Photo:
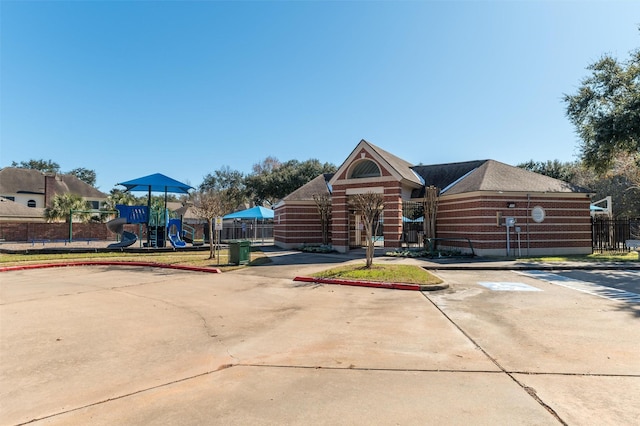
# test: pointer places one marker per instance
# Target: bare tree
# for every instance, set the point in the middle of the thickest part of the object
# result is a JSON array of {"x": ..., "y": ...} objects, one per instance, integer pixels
[
  {"x": 323, "y": 202},
  {"x": 209, "y": 204},
  {"x": 430, "y": 206},
  {"x": 370, "y": 206}
]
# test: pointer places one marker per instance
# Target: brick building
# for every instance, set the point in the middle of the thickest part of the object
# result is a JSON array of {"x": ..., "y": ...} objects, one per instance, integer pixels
[{"x": 485, "y": 206}]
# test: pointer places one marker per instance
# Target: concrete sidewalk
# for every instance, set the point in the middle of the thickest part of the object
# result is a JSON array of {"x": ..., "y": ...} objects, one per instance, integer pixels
[{"x": 460, "y": 263}]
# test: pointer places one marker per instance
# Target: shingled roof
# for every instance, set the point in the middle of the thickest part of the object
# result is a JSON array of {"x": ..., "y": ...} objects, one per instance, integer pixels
[
  {"x": 318, "y": 185},
  {"x": 450, "y": 178},
  {"x": 404, "y": 168},
  {"x": 443, "y": 175},
  {"x": 14, "y": 180},
  {"x": 488, "y": 175},
  {"x": 11, "y": 210}
]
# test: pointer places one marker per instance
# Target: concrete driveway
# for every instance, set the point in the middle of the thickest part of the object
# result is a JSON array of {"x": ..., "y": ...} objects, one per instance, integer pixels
[{"x": 117, "y": 345}]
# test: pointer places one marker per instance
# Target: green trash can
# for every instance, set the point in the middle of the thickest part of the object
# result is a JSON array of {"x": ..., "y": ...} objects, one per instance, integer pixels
[{"x": 239, "y": 251}]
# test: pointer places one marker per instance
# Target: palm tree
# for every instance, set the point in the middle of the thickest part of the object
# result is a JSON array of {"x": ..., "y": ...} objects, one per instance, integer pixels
[{"x": 63, "y": 204}]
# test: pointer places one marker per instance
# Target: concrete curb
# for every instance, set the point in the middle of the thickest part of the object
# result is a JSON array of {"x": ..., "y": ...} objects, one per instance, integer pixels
[
  {"x": 528, "y": 267},
  {"x": 373, "y": 284},
  {"x": 109, "y": 263}
]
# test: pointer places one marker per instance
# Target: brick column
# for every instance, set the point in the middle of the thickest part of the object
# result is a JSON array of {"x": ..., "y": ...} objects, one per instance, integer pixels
[
  {"x": 49, "y": 188},
  {"x": 393, "y": 217},
  {"x": 339, "y": 220}
]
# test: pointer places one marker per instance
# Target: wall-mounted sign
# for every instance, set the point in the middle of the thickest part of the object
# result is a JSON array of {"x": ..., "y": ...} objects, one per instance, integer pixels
[{"x": 537, "y": 214}]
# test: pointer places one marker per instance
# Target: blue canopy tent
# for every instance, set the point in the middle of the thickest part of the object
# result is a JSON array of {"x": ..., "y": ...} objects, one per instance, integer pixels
[
  {"x": 255, "y": 213},
  {"x": 156, "y": 183}
]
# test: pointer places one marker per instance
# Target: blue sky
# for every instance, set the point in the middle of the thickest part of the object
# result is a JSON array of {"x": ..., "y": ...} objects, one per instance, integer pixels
[{"x": 129, "y": 88}]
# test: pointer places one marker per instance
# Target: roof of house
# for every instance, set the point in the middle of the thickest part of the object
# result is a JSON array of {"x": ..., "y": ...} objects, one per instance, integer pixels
[
  {"x": 458, "y": 178},
  {"x": 488, "y": 175},
  {"x": 10, "y": 209},
  {"x": 318, "y": 185},
  {"x": 186, "y": 211},
  {"x": 443, "y": 175},
  {"x": 402, "y": 167},
  {"x": 14, "y": 180}
]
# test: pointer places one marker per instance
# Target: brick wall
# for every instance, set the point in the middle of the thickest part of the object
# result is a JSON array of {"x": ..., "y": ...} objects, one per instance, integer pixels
[
  {"x": 566, "y": 228},
  {"x": 297, "y": 224},
  {"x": 27, "y": 231}
]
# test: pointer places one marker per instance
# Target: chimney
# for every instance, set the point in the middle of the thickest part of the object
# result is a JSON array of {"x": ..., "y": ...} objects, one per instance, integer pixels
[{"x": 49, "y": 188}]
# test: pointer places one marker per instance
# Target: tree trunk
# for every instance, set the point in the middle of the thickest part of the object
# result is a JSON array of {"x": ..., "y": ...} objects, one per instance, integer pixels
[
  {"x": 370, "y": 245},
  {"x": 212, "y": 254}
]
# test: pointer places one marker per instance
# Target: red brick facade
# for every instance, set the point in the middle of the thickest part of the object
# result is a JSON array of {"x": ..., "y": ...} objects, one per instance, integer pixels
[
  {"x": 476, "y": 216},
  {"x": 481, "y": 218},
  {"x": 28, "y": 231},
  {"x": 297, "y": 225}
]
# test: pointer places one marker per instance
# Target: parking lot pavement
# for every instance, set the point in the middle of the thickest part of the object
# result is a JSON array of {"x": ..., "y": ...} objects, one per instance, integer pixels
[
  {"x": 576, "y": 351},
  {"x": 109, "y": 345}
]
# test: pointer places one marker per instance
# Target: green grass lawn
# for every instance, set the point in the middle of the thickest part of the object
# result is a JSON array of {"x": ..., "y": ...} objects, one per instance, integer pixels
[
  {"x": 197, "y": 258},
  {"x": 407, "y": 274},
  {"x": 595, "y": 257}
]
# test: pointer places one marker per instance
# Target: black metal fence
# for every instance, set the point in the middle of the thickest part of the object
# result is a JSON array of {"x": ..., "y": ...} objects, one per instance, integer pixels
[{"x": 609, "y": 235}]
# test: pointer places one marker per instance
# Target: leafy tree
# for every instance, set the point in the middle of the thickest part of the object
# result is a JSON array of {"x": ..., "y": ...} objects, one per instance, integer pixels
[
  {"x": 230, "y": 183},
  {"x": 606, "y": 110},
  {"x": 621, "y": 181},
  {"x": 85, "y": 175},
  {"x": 46, "y": 166},
  {"x": 274, "y": 183},
  {"x": 565, "y": 171},
  {"x": 209, "y": 204},
  {"x": 61, "y": 206},
  {"x": 370, "y": 205},
  {"x": 118, "y": 196}
]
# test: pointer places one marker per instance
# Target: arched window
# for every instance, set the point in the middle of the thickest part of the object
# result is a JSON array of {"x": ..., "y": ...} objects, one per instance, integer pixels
[
  {"x": 365, "y": 169},
  {"x": 31, "y": 203}
]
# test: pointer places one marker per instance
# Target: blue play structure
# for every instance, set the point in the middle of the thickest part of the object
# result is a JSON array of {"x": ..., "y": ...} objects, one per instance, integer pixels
[
  {"x": 174, "y": 230},
  {"x": 128, "y": 214},
  {"x": 159, "y": 227},
  {"x": 157, "y": 222}
]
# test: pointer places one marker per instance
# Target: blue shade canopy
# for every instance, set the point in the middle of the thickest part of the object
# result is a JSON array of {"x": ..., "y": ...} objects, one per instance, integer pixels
[
  {"x": 157, "y": 183},
  {"x": 257, "y": 212},
  {"x": 406, "y": 219}
]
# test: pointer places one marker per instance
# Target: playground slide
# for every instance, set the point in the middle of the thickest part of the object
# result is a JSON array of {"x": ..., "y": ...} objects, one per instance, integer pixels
[
  {"x": 126, "y": 238},
  {"x": 176, "y": 241}
]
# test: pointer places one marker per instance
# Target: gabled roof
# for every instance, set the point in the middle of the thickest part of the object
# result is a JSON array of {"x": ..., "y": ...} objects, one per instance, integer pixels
[
  {"x": 394, "y": 164},
  {"x": 443, "y": 175},
  {"x": 11, "y": 209},
  {"x": 404, "y": 168},
  {"x": 318, "y": 185},
  {"x": 490, "y": 175},
  {"x": 15, "y": 180}
]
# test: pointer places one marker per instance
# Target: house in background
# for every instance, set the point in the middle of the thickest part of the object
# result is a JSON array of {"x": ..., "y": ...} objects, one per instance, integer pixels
[
  {"x": 497, "y": 208},
  {"x": 10, "y": 211},
  {"x": 35, "y": 189}
]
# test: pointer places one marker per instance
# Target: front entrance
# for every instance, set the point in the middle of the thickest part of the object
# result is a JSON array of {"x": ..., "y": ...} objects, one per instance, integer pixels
[{"x": 358, "y": 233}]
